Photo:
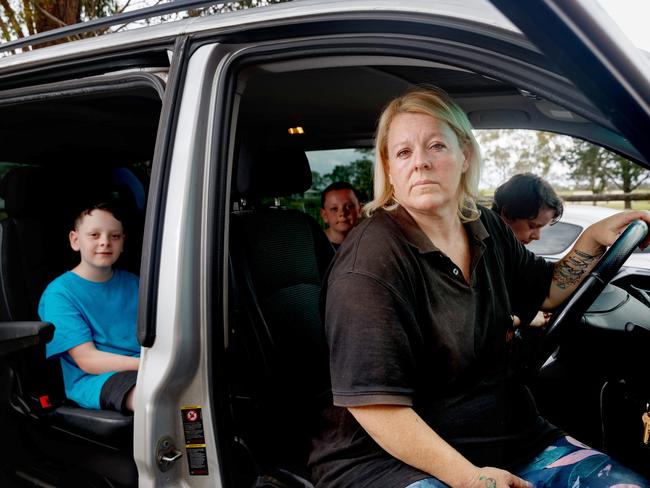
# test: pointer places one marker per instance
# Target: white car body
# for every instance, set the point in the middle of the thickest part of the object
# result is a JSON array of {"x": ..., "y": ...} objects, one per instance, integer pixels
[{"x": 556, "y": 240}]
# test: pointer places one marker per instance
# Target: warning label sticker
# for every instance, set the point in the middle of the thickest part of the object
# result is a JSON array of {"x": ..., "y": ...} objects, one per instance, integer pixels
[
  {"x": 193, "y": 425},
  {"x": 195, "y": 440},
  {"x": 197, "y": 460}
]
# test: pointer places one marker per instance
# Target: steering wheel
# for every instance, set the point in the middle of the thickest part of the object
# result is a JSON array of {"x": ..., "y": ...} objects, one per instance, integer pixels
[{"x": 589, "y": 289}]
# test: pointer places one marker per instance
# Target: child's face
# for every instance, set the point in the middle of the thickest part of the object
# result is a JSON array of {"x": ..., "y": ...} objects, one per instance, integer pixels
[
  {"x": 342, "y": 210},
  {"x": 99, "y": 238}
]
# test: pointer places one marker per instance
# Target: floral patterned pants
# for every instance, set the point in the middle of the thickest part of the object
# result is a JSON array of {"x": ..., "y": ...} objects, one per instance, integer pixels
[{"x": 568, "y": 463}]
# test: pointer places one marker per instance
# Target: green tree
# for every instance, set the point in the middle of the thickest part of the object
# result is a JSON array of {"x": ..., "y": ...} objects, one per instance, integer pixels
[
  {"x": 340, "y": 172},
  {"x": 362, "y": 178},
  {"x": 585, "y": 167},
  {"x": 496, "y": 155},
  {"x": 358, "y": 173},
  {"x": 538, "y": 155},
  {"x": 318, "y": 182},
  {"x": 19, "y": 18},
  {"x": 626, "y": 175},
  {"x": 597, "y": 168},
  {"x": 510, "y": 151},
  {"x": 26, "y": 17}
]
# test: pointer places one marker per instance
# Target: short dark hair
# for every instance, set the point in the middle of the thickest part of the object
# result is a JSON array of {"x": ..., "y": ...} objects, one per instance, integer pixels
[
  {"x": 524, "y": 195},
  {"x": 108, "y": 206},
  {"x": 337, "y": 185}
]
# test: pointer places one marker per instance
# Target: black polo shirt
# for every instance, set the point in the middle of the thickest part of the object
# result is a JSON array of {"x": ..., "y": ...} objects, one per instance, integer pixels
[{"x": 405, "y": 328}]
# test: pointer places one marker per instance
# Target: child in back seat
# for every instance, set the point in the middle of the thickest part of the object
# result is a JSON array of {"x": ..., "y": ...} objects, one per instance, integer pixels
[{"x": 94, "y": 310}]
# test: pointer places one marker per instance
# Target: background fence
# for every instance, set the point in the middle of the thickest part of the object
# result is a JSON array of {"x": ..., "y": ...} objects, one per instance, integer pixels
[{"x": 626, "y": 198}]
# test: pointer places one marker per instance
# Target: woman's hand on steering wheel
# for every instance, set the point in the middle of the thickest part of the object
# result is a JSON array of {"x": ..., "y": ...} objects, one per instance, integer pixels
[
  {"x": 622, "y": 238},
  {"x": 605, "y": 232}
]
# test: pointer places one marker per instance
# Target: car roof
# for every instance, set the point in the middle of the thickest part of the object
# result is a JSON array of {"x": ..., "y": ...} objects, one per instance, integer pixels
[
  {"x": 476, "y": 11},
  {"x": 344, "y": 112}
]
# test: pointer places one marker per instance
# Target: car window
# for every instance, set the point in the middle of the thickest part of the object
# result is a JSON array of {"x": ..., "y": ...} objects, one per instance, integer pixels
[
  {"x": 353, "y": 165},
  {"x": 556, "y": 238}
]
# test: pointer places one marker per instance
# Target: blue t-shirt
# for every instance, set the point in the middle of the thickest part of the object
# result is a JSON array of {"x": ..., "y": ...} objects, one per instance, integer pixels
[{"x": 82, "y": 311}]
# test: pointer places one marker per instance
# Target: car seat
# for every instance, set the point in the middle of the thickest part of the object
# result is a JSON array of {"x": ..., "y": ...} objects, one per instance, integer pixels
[
  {"x": 34, "y": 250},
  {"x": 278, "y": 258},
  {"x": 33, "y": 240}
]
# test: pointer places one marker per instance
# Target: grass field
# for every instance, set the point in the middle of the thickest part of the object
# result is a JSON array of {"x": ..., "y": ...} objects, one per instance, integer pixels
[{"x": 636, "y": 205}]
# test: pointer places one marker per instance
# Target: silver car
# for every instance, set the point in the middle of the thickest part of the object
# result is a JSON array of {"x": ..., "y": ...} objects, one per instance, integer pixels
[{"x": 200, "y": 127}]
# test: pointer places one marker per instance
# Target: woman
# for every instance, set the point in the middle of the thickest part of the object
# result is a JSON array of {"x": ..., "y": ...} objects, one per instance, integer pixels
[{"x": 418, "y": 322}]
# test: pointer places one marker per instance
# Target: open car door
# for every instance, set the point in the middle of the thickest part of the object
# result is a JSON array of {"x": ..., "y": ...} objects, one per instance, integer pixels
[{"x": 594, "y": 53}]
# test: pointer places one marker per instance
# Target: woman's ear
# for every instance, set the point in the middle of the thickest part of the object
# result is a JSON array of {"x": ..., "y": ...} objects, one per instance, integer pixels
[{"x": 467, "y": 154}]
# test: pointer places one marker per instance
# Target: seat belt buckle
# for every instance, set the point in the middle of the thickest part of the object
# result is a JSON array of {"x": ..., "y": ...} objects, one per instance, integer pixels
[{"x": 44, "y": 401}]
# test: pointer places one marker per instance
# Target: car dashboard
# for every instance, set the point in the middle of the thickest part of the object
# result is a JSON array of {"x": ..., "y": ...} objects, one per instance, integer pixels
[{"x": 596, "y": 386}]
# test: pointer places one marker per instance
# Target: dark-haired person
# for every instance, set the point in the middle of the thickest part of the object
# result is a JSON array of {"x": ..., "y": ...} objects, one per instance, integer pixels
[
  {"x": 340, "y": 210},
  {"x": 419, "y": 327},
  {"x": 94, "y": 309},
  {"x": 527, "y": 203}
]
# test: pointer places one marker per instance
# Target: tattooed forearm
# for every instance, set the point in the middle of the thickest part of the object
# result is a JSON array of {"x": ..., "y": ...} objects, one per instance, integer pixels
[{"x": 570, "y": 270}]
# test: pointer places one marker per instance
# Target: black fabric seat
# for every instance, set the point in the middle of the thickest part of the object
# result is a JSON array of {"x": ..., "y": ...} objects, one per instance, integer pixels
[
  {"x": 278, "y": 258},
  {"x": 34, "y": 240}
]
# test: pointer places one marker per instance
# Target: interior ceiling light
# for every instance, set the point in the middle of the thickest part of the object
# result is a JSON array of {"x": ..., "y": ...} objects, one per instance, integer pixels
[{"x": 296, "y": 130}]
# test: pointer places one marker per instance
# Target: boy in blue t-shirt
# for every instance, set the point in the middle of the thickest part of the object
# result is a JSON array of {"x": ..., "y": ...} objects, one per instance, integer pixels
[{"x": 94, "y": 311}]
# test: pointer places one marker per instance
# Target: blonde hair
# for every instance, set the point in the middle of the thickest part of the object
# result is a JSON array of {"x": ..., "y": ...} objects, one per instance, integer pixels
[{"x": 435, "y": 102}]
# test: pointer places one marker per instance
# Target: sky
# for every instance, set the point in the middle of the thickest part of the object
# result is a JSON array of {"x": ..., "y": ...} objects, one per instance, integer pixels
[{"x": 632, "y": 16}]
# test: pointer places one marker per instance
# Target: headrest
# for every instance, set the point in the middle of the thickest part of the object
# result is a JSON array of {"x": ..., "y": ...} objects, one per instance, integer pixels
[
  {"x": 26, "y": 191},
  {"x": 30, "y": 190},
  {"x": 129, "y": 188},
  {"x": 272, "y": 173}
]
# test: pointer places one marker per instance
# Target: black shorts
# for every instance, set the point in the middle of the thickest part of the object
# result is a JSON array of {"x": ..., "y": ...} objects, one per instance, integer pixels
[{"x": 116, "y": 389}]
